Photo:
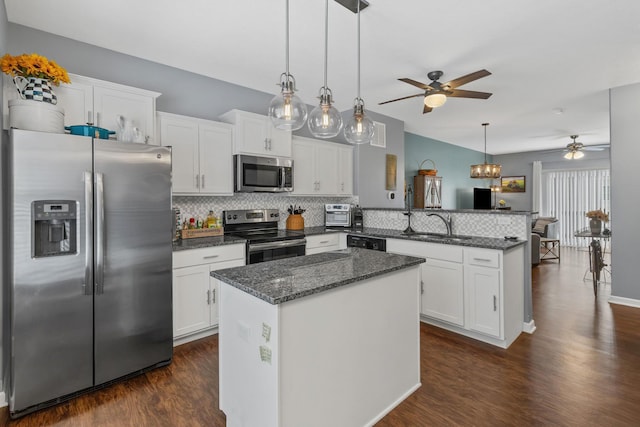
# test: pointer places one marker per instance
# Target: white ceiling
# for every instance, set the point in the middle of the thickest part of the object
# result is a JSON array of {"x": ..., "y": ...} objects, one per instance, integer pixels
[{"x": 545, "y": 55}]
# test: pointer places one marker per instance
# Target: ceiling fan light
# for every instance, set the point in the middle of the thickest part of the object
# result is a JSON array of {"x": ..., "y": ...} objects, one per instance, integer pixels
[
  {"x": 569, "y": 155},
  {"x": 435, "y": 100}
]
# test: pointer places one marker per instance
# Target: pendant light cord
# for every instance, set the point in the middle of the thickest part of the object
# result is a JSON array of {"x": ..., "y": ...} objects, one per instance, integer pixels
[
  {"x": 485, "y": 141},
  {"x": 358, "y": 62},
  {"x": 326, "y": 40},
  {"x": 287, "y": 42}
]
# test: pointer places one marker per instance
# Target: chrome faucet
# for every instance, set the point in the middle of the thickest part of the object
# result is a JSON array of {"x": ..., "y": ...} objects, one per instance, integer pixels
[{"x": 447, "y": 222}]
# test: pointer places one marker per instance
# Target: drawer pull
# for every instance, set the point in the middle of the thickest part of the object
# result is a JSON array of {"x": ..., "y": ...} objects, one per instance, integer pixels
[
  {"x": 324, "y": 241},
  {"x": 210, "y": 256},
  {"x": 482, "y": 259}
]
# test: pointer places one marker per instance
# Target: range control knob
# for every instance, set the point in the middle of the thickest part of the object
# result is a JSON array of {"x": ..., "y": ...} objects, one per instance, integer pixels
[
  {"x": 276, "y": 215},
  {"x": 228, "y": 216},
  {"x": 235, "y": 217}
]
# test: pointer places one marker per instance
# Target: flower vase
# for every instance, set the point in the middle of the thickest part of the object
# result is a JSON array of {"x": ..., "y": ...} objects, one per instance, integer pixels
[
  {"x": 595, "y": 225},
  {"x": 35, "y": 89}
]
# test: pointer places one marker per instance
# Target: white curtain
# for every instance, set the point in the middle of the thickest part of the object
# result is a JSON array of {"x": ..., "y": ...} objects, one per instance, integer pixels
[
  {"x": 569, "y": 194},
  {"x": 536, "y": 203}
]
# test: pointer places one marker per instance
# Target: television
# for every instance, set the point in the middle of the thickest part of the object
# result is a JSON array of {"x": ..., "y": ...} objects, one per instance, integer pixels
[{"x": 481, "y": 198}]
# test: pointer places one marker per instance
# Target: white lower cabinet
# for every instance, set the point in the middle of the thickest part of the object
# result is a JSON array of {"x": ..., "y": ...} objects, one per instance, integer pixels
[
  {"x": 443, "y": 291},
  {"x": 195, "y": 292},
  {"x": 476, "y": 292},
  {"x": 325, "y": 242}
]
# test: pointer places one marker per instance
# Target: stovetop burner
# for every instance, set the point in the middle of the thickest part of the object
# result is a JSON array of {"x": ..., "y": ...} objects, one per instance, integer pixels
[{"x": 257, "y": 225}]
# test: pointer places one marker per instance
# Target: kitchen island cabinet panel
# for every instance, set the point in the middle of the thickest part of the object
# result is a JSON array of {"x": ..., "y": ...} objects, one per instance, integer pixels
[{"x": 318, "y": 360}]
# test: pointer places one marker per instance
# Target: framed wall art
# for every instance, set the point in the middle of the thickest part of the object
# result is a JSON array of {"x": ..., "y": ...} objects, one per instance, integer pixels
[{"x": 512, "y": 184}]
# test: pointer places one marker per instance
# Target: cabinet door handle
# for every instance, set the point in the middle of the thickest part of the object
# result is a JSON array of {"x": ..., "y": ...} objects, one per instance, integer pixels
[
  {"x": 266, "y": 142},
  {"x": 495, "y": 303},
  {"x": 421, "y": 287},
  {"x": 208, "y": 297},
  {"x": 210, "y": 256},
  {"x": 342, "y": 186},
  {"x": 214, "y": 296},
  {"x": 197, "y": 181},
  {"x": 89, "y": 117},
  {"x": 97, "y": 119},
  {"x": 202, "y": 179},
  {"x": 482, "y": 259}
]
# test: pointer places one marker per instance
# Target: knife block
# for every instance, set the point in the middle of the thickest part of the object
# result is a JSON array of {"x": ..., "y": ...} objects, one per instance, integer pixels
[{"x": 295, "y": 222}]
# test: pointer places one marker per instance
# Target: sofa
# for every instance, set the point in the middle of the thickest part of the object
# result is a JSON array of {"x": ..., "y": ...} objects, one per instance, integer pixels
[{"x": 542, "y": 227}]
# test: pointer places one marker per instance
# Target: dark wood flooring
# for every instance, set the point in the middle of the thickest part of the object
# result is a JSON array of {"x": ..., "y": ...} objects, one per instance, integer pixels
[{"x": 580, "y": 368}]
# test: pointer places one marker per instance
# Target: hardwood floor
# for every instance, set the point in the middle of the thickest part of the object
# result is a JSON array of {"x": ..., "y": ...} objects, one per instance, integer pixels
[{"x": 580, "y": 368}]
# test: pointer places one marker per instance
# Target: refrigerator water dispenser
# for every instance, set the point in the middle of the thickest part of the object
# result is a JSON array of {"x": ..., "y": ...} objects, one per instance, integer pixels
[{"x": 54, "y": 226}]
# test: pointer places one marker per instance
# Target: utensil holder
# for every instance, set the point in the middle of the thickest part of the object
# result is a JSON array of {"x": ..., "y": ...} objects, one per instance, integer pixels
[{"x": 295, "y": 222}]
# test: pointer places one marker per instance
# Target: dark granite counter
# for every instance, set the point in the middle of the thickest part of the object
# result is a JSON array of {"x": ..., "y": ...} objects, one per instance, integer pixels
[
  {"x": 206, "y": 242},
  {"x": 464, "y": 211},
  {"x": 284, "y": 280},
  {"x": 471, "y": 241}
]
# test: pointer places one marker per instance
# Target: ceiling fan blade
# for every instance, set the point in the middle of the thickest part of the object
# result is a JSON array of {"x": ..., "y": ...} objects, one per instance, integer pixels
[
  {"x": 416, "y": 83},
  {"x": 400, "y": 99},
  {"x": 600, "y": 147},
  {"x": 426, "y": 109},
  {"x": 457, "y": 93},
  {"x": 467, "y": 79}
]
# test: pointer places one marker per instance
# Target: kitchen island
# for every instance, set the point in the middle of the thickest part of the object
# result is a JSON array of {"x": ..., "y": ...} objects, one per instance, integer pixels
[{"x": 326, "y": 339}]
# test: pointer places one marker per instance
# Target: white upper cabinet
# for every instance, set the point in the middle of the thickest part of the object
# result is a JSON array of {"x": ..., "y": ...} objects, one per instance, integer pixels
[
  {"x": 201, "y": 153},
  {"x": 255, "y": 134},
  {"x": 321, "y": 168},
  {"x": 88, "y": 100}
]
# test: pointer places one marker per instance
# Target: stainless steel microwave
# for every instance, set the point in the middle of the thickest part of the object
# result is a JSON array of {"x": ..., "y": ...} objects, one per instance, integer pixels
[{"x": 262, "y": 174}]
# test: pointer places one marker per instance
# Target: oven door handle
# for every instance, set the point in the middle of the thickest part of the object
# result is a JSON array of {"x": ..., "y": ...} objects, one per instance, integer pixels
[{"x": 256, "y": 247}]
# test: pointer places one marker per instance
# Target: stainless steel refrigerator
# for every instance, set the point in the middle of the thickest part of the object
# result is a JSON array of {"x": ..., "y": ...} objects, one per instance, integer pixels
[{"x": 88, "y": 250}]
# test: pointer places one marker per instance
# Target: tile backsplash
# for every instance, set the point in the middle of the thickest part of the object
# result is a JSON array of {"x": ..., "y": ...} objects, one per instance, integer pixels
[{"x": 199, "y": 206}]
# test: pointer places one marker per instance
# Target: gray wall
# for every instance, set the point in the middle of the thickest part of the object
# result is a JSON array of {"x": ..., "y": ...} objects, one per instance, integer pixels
[
  {"x": 518, "y": 164},
  {"x": 3, "y": 137},
  {"x": 194, "y": 95},
  {"x": 625, "y": 205}
]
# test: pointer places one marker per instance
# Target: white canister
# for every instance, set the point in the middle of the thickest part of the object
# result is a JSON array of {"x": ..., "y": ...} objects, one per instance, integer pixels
[{"x": 35, "y": 115}]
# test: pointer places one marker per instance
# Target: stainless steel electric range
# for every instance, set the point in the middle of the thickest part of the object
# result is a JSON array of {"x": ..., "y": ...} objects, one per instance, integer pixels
[{"x": 265, "y": 242}]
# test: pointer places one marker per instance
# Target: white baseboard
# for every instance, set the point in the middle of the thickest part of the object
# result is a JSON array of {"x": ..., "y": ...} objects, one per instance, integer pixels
[
  {"x": 389, "y": 408},
  {"x": 196, "y": 336},
  {"x": 3, "y": 399},
  {"x": 529, "y": 327},
  {"x": 624, "y": 301}
]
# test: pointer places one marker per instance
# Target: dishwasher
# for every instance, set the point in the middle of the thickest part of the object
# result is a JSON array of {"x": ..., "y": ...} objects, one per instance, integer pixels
[{"x": 367, "y": 242}]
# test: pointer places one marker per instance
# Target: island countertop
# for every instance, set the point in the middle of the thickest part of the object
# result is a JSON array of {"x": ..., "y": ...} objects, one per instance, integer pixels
[{"x": 284, "y": 280}]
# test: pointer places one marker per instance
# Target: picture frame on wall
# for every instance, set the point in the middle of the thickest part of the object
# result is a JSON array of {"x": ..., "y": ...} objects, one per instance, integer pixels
[{"x": 513, "y": 184}]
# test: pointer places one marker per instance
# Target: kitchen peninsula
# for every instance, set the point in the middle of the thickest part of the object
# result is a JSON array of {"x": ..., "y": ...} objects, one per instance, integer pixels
[{"x": 314, "y": 340}]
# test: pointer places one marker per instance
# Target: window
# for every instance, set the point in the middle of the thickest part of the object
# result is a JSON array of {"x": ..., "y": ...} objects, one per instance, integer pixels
[{"x": 569, "y": 194}]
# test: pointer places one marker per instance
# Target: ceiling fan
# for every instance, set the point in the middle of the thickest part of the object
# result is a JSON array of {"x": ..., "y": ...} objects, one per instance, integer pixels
[
  {"x": 575, "y": 150},
  {"x": 436, "y": 93}
]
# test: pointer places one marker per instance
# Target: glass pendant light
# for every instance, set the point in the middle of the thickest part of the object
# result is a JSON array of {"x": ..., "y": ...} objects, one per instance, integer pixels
[
  {"x": 485, "y": 170},
  {"x": 286, "y": 110},
  {"x": 359, "y": 128},
  {"x": 325, "y": 120}
]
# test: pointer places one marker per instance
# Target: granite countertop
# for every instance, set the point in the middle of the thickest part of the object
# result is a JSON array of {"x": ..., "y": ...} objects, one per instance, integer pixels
[
  {"x": 472, "y": 241},
  {"x": 287, "y": 279},
  {"x": 469, "y": 211},
  {"x": 206, "y": 242}
]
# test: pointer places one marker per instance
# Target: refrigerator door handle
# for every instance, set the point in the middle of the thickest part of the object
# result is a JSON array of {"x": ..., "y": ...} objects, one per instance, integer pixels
[
  {"x": 87, "y": 286},
  {"x": 99, "y": 275}
]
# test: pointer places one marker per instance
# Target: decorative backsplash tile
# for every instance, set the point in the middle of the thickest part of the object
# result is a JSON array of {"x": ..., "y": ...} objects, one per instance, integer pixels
[
  {"x": 484, "y": 224},
  {"x": 199, "y": 206}
]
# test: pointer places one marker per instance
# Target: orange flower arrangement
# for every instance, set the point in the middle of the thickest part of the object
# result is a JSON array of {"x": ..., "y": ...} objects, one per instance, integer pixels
[
  {"x": 34, "y": 65},
  {"x": 598, "y": 214}
]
